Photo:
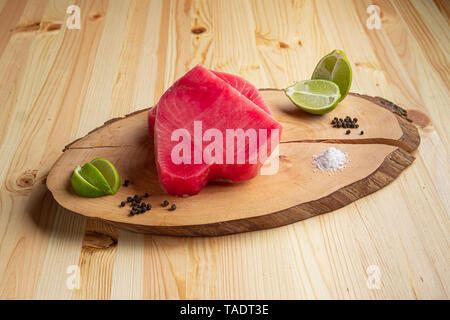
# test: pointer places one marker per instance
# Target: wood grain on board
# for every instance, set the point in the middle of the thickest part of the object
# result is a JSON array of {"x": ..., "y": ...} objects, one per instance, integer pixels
[
  {"x": 56, "y": 85},
  {"x": 297, "y": 190}
]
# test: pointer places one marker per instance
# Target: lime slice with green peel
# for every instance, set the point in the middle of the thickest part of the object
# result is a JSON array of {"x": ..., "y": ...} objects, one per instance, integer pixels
[
  {"x": 335, "y": 67},
  {"x": 92, "y": 175},
  {"x": 83, "y": 187},
  {"x": 314, "y": 96},
  {"x": 108, "y": 171}
]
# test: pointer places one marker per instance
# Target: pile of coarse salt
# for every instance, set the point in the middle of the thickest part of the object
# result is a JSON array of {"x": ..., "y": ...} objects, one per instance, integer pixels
[{"x": 332, "y": 159}]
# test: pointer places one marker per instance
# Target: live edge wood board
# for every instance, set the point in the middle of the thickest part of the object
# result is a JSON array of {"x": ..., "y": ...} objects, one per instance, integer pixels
[{"x": 295, "y": 193}]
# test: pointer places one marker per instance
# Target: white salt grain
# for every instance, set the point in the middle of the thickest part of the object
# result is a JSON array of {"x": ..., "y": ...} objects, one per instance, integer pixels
[{"x": 332, "y": 159}]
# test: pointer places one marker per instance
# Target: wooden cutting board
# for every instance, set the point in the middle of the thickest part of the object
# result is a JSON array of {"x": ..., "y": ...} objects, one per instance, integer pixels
[{"x": 296, "y": 192}]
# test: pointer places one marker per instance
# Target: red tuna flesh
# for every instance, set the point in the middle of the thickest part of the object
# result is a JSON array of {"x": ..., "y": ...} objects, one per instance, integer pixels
[
  {"x": 240, "y": 84},
  {"x": 202, "y": 96}
]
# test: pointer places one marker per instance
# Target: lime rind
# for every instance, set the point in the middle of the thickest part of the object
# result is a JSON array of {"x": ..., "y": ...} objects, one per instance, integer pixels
[
  {"x": 335, "y": 67},
  {"x": 83, "y": 187},
  {"x": 314, "y": 96},
  {"x": 90, "y": 173},
  {"x": 110, "y": 173}
]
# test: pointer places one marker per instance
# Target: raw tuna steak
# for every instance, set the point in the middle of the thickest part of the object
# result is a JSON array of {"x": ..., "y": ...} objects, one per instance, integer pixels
[
  {"x": 245, "y": 88},
  {"x": 240, "y": 84},
  {"x": 198, "y": 112}
]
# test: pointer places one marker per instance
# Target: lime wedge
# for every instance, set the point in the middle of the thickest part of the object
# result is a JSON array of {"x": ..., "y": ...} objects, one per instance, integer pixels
[
  {"x": 335, "y": 67},
  {"x": 108, "y": 171},
  {"x": 314, "y": 96},
  {"x": 83, "y": 187},
  {"x": 92, "y": 175}
]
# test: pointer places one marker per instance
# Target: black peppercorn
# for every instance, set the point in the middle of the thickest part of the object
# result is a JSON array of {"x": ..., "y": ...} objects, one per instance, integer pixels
[
  {"x": 346, "y": 123},
  {"x": 361, "y": 133},
  {"x": 122, "y": 204},
  {"x": 347, "y": 132},
  {"x": 129, "y": 199},
  {"x": 165, "y": 203},
  {"x": 173, "y": 207}
]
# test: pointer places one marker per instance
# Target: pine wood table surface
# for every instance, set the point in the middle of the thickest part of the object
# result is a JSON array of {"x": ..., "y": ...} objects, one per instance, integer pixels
[{"x": 57, "y": 84}]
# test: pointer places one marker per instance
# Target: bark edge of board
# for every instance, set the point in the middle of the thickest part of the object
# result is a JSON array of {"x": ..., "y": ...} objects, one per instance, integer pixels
[
  {"x": 392, "y": 165},
  {"x": 410, "y": 140}
]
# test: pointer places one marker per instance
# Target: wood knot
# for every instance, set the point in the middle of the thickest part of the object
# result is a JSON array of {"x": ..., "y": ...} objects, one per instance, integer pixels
[
  {"x": 198, "y": 30},
  {"x": 95, "y": 16},
  {"x": 98, "y": 241},
  {"x": 27, "y": 179},
  {"x": 283, "y": 158},
  {"x": 283, "y": 45},
  {"x": 35, "y": 26},
  {"x": 54, "y": 26},
  {"x": 419, "y": 118},
  {"x": 366, "y": 66},
  {"x": 48, "y": 26}
]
